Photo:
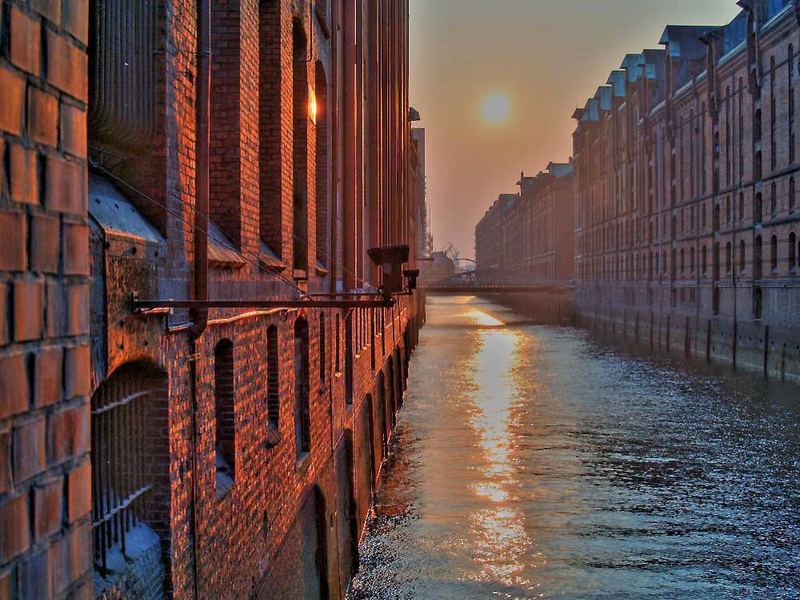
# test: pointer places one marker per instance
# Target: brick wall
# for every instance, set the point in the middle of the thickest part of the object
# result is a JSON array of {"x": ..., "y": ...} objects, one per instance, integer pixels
[{"x": 45, "y": 482}]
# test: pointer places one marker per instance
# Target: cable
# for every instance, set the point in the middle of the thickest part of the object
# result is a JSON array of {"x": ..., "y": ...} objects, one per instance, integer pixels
[{"x": 230, "y": 242}]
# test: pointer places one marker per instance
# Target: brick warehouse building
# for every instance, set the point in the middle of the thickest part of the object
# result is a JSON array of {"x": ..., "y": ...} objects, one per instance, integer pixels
[
  {"x": 687, "y": 217},
  {"x": 207, "y": 453},
  {"x": 531, "y": 236},
  {"x": 531, "y": 232}
]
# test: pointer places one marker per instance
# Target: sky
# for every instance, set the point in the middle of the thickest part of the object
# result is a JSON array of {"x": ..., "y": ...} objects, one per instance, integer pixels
[{"x": 496, "y": 83}]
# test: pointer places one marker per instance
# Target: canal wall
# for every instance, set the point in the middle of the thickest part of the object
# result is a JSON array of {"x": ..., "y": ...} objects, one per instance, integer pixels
[
  {"x": 773, "y": 350},
  {"x": 545, "y": 308},
  {"x": 757, "y": 347}
]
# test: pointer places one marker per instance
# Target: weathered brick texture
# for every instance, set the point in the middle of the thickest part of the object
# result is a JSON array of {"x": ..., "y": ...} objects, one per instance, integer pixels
[{"x": 42, "y": 69}]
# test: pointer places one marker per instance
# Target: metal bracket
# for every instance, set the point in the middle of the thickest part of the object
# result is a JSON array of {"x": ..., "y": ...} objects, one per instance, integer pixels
[{"x": 144, "y": 307}]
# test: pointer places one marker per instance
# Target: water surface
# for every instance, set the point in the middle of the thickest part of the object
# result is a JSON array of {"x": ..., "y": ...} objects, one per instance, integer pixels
[{"x": 534, "y": 462}]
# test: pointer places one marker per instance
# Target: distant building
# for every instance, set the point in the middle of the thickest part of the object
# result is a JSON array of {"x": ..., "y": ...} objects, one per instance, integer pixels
[
  {"x": 531, "y": 232},
  {"x": 439, "y": 268}
]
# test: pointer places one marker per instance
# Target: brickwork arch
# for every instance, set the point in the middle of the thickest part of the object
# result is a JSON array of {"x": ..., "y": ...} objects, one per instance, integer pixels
[{"x": 130, "y": 478}]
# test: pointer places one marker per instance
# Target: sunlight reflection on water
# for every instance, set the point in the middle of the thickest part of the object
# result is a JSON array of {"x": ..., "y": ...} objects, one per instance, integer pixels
[{"x": 532, "y": 462}]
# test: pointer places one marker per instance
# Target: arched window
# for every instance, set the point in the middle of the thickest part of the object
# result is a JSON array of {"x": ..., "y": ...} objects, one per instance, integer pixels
[
  {"x": 716, "y": 261},
  {"x": 224, "y": 416},
  {"x": 773, "y": 201},
  {"x": 758, "y": 209},
  {"x": 792, "y": 251},
  {"x": 130, "y": 475},
  {"x": 773, "y": 253},
  {"x": 302, "y": 399},
  {"x": 273, "y": 387},
  {"x": 691, "y": 260},
  {"x": 757, "y": 257},
  {"x": 742, "y": 256},
  {"x": 729, "y": 258},
  {"x": 704, "y": 260}
]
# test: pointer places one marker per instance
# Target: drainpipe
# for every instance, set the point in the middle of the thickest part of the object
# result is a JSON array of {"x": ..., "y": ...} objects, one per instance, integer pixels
[{"x": 200, "y": 315}]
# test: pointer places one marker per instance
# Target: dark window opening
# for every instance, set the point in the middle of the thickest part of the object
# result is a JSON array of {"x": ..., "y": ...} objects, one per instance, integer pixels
[
  {"x": 757, "y": 260},
  {"x": 302, "y": 395},
  {"x": 273, "y": 387},
  {"x": 773, "y": 254},
  {"x": 224, "y": 417}
]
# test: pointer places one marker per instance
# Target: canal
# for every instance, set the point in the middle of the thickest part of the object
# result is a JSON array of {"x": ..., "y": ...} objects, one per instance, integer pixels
[{"x": 536, "y": 462}]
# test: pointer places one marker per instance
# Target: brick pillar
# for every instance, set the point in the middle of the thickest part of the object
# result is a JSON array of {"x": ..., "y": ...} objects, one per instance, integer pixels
[{"x": 45, "y": 494}]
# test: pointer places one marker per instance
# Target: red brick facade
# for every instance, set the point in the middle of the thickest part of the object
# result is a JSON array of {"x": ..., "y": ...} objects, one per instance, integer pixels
[
  {"x": 215, "y": 468},
  {"x": 687, "y": 216},
  {"x": 45, "y": 500},
  {"x": 531, "y": 232}
]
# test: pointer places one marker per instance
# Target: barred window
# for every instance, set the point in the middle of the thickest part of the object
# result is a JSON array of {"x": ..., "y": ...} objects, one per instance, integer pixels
[
  {"x": 302, "y": 414},
  {"x": 224, "y": 417},
  {"x": 273, "y": 387},
  {"x": 130, "y": 458}
]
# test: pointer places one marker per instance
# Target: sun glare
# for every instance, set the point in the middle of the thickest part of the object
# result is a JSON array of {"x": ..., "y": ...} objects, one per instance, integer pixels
[{"x": 496, "y": 109}]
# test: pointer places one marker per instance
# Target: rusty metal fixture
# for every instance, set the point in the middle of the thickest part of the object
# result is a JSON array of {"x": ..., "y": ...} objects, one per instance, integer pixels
[{"x": 157, "y": 306}]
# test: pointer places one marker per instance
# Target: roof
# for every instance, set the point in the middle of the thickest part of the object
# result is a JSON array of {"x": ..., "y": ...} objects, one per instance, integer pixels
[{"x": 114, "y": 214}]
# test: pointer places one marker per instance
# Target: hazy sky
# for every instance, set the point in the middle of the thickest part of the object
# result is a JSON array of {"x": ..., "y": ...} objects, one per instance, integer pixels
[{"x": 546, "y": 57}]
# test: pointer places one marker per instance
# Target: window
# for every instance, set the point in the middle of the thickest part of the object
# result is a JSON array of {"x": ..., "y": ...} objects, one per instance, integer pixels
[
  {"x": 302, "y": 399},
  {"x": 348, "y": 358},
  {"x": 758, "y": 209},
  {"x": 130, "y": 466},
  {"x": 742, "y": 256},
  {"x": 691, "y": 259},
  {"x": 729, "y": 258},
  {"x": 757, "y": 126},
  {"x": 773, "y": 254},
  {"x": 757, "y": 260},
  {"x": 338, "y": 363},
  {"x": 758, "y": 169},
  {"x": 793, "y": 251},
  {"x": 273, "y": 387},
  {"x": 322, "y": 347},
  {"x": 224, "y": 417},
  {"x": 704, "y": 260},
  {"x": 773, "y": 202}
]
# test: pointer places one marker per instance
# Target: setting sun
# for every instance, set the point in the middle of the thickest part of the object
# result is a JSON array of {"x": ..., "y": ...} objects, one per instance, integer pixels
[{"x": 496, "y": 109}]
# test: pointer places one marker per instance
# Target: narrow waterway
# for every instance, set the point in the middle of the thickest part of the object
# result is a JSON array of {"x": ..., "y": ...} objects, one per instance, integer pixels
[{"x": 534, "y": 462}]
